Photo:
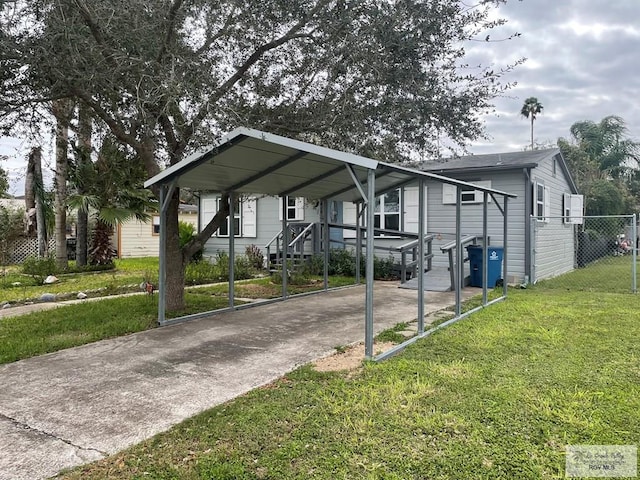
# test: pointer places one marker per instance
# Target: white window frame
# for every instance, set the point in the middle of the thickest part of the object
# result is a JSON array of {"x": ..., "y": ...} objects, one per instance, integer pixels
[
  {"x": 295, "y": 211},
  {"x": 573, "y": 209},
  {"x": 469, "y": 196},
  {"x": 381, "y": 215},
  {"x": 541, "y": 202},
  {"x": 246, "y": 211},
  {"x": 237, "y": 215},
  {"x": 155, "y": 222}
]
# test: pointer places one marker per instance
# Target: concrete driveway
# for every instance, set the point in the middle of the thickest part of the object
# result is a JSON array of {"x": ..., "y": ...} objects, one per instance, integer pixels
[{"x": 78, "y": 405}]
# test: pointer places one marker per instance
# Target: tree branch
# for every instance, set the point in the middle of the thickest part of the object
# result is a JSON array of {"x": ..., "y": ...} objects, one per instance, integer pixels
[
  {"x": 199, "y": 240},
  {"x": 173, "y": 14},
  {"x": 248, "y": 63},
  {"x": 96, "y": 31}
]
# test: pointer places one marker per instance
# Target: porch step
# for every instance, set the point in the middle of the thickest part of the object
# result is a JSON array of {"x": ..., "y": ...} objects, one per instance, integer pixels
[{"x": 436, "y": 280}]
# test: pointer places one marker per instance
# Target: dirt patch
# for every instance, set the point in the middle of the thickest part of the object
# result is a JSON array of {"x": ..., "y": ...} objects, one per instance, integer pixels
[{"x": 350, "y": 359}]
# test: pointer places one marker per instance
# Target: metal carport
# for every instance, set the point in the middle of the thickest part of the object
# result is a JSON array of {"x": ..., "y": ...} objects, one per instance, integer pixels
[{"x": 248, "y": 161}]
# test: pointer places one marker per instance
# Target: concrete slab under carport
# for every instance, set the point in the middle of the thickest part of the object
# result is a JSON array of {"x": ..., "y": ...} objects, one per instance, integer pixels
[{"x": 70, "y": 407}]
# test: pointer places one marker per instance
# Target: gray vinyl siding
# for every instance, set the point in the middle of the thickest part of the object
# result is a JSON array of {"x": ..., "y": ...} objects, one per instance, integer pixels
[
  {"x": 268, "y": 225},
  {"x": 441, "y": 222},
  {"x": 553, "y": 241}
]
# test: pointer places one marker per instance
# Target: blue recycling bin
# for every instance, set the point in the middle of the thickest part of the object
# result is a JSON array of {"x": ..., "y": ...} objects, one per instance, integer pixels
[{"x": 494, "y": 271}]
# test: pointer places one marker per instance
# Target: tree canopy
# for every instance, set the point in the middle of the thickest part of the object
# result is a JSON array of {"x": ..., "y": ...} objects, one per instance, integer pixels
[
  {"x": 375, "y": 77},
  {"x": 604, "y": 163},
  {"x": 4, "y": 183}
]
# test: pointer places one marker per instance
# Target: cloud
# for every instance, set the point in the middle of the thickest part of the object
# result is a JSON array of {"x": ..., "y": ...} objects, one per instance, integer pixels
[{"x": 582, "y": 65}]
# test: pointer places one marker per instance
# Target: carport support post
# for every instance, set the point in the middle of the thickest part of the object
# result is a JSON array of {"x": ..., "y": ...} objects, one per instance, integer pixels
[
  {"x": 485, "y": 248},
  {"x": 368, "y": 327},
  {"x": 327, "y": 242},
  {"x": 285, "y": 246},
  {"x": 634, "y": 257},
  {"x": 420, "y": 257},
  {"x": 459, "y": 256},
  {"x": 504, "y": 247},
  {"x": 358, "y": 251},
  {"x": 232, "y": 248}
]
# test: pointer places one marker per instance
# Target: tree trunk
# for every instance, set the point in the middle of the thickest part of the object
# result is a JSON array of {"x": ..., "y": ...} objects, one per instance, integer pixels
[
  {"x": 29, "y": 194},
  {"x": 62, "y": 110},
  {"x": 84, "y": 144},
  {"x": 174, "y": 259},
  {"x": 531, "y": 131},
  {"x": 102, "y": 252},
  {"x": 38, "y": 192}
]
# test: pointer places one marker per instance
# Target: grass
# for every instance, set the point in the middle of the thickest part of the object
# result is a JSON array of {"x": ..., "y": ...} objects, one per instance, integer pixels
[
  {"x": 608, "y": 274},
  {"x": 69, "y": 326},
  {"x": 127, "y": 276},
  {"x": 497, "y": 395}
]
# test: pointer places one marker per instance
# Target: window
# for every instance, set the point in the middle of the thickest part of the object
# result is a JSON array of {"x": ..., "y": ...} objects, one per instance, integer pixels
[
  {"x": 155, "y": 228},
  {"x": 295, "y": 209},
  {"x": 223, "y": 231},
  {"x": 387, "y": 211},
  {"x": 572, "y": 208},
  {"x": 245, "y": 216},
  {"x": 469, "y": 194},
  {"x": 541, "y": 202}
]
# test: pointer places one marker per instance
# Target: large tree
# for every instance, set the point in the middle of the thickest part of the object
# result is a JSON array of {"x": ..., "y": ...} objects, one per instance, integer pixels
[
  {"x": 604, "y": 163},
  {"x": 169, "y": 76}
]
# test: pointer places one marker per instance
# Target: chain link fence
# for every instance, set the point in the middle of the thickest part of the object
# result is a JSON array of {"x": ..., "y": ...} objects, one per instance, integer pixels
[{"x": 586, "y": 253}]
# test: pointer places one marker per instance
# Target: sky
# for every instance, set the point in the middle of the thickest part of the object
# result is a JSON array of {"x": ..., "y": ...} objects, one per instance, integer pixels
[{"x": 583, "y": 63}]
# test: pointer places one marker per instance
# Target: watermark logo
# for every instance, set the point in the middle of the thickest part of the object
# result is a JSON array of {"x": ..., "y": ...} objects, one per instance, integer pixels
[{"x": 601, "y": 461}]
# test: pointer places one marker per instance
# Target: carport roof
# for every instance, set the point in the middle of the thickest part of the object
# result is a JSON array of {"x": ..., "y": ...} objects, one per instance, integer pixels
[{"x": 255, "y": 162}]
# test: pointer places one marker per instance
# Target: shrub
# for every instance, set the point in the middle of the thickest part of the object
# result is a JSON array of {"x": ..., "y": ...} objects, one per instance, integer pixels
[
  {"x": 342, "y": 262},
  {"x": 201, "y": 272},
  {"x": 186, "y": 231},
  {"x": 217, "y": 271},
  {"x": 242, "y": 267},
  {"x": 39, "y": 268},
  {"x": 255, "y": 257}
]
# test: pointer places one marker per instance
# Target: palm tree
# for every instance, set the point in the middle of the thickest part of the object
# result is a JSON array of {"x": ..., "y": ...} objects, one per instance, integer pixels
[
  {"x": 606, "y": 143},
  {"x": 530, "y": 109},
  {"x": 113, "y": 192}
]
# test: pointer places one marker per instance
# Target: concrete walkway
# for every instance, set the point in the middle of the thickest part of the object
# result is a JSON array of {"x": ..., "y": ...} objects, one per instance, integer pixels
[{"x": 71, "y": 407}]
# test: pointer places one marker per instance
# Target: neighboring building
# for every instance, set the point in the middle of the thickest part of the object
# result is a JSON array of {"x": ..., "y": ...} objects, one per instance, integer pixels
[
  {"x": 539, "y": 178},
  {"x": 134, "y": 238}
]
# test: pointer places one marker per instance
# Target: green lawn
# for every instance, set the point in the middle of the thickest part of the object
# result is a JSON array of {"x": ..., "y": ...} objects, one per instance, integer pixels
[
  {"x": 69, "y": 326},
  {"x": 126, "y": 277},
  {"x": 608, "y": 274},
  {"x": 495, "y": 396},
  {"x": 51, "y": 330}
]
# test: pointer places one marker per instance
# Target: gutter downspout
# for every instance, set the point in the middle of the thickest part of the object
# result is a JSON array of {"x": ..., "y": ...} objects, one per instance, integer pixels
[{"x": 527, "y": 224}]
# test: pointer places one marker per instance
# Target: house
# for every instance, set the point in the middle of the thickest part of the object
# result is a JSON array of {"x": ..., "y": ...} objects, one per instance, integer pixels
[
  {"x": 541, "y": 219},
  {"x": 135, "y": 238}
]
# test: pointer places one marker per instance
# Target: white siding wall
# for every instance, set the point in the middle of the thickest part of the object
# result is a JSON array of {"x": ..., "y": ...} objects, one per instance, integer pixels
[{"x": 136, "y": 238}]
